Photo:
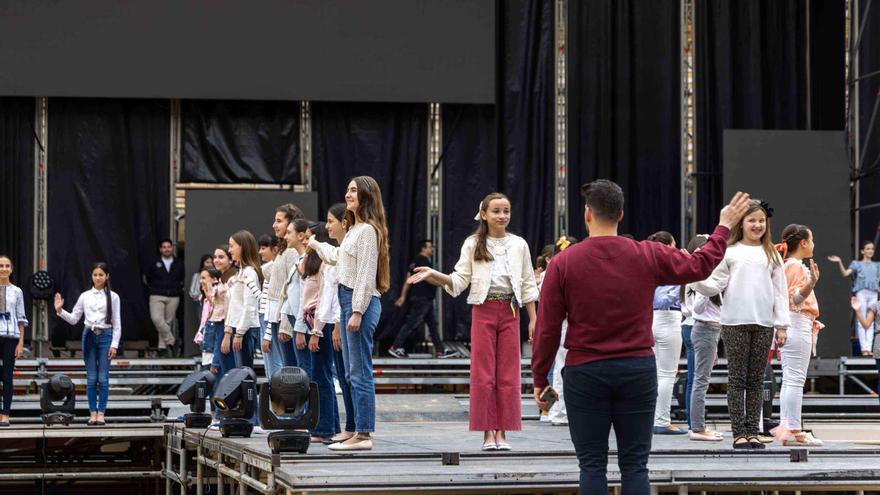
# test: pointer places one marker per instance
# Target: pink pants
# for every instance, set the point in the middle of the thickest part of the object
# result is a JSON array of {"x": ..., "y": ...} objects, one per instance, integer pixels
[{"x": 496, "y": 400}]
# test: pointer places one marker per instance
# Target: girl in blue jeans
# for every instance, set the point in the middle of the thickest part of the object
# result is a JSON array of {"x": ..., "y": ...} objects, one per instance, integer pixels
[{"x": 102, "y": 329}]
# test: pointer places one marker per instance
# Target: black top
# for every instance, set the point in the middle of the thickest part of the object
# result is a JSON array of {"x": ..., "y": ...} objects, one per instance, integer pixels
[
  {"x": 422, "y": 289},
  {"x": 164, "y": 282}
]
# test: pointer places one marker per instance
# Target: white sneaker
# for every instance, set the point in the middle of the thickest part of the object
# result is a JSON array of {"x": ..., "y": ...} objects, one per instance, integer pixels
[{"x": 259, "y": 430}]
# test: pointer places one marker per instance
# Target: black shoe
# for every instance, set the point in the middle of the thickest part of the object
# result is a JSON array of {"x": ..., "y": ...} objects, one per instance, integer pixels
[
  {"x": 448, "y": 353},
  {"x": 756, "y": 444},
  {"x": 396, "y": 352}
]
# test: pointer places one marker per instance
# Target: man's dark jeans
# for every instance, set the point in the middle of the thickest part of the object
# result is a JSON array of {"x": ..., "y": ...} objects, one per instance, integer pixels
[
  {"x": 620, "y": 392},
  {"x": 420, "y": 311}
]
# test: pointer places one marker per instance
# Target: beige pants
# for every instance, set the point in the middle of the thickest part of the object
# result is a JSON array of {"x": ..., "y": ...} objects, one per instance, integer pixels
[{"x": 163, "y": 312}]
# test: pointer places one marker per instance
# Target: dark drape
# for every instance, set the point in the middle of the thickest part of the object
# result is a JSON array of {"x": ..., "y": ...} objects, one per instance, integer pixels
[
  {"x": 240, "y": 141},
  {"x": 108, "y": 199},
  {"x": 869, "y": 102},
  {"x": 17, "y": 187},
  {"x": 526, "y": 108},
  {"x": 506, "y": 148},
  {"x": 470, "y": 171},
  {"x": 387, "y": 142},
  {"x": 750, "y": 74},
  {"x": 623, "y": 109}
]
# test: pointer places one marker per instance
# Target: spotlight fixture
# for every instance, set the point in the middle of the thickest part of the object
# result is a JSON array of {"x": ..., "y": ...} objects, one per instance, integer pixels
[
  {"x": 235, "y": 397},
  {"x": 59, "y": 388},
  {"x": 282, "y": 402},
  {"x": 196, "y": 387}
]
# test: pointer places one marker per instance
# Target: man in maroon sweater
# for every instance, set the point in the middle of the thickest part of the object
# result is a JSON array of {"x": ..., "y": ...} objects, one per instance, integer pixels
[{"x": 605, "y": 286}]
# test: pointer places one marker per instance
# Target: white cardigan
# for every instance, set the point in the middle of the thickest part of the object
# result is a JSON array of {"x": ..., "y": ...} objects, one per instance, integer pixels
[{"x": 478, "y": 274}]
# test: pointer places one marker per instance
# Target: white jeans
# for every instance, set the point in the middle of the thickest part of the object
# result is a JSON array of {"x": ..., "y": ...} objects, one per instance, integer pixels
[
  {"x": 866, "y": 335},
  {"x": 558, "y": 414},
  {"x": 795, "y": 361},
  {"x": 667, "y": 351}
]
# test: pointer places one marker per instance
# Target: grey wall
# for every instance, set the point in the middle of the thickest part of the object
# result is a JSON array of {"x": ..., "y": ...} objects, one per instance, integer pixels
[
  {"x": 214, "y": 215},
  {"x": 330, "y": 50},
  {"x": 805, "y": 177}
]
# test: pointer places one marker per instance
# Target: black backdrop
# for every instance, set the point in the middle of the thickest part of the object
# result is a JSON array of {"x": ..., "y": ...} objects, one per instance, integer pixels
[
  {"x": 506, "y": 148},
  {"x": 240, "y": 141},
  {"x": 623, "y": 109},
  {"x": 17, "y": 187},
  {"x": 751, "y": 63},
  {"x": 869, "y": 99},
  {"x": 387, "y": 142},
  {"x": 108, "y": 200}
]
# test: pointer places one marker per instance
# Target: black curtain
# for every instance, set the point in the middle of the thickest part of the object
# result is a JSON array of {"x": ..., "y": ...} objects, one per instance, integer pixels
[
  {"x": 108, "y": 199},
  {"x": 623, "y": 109},
  {"x": 17, "y": 140},
  {"x": 470, "y": 171},
  {"x": 387, "y": 142},
  {"x": 508, "y": 147},
  {"x": 869, "y": 103},
  {"x": 240, "y": 141},
  {"x": 750, "y": 74}
]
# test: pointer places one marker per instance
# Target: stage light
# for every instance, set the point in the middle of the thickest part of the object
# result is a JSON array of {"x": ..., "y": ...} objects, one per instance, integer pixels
[
  {"x": 282, "y": 401},
  {"x": 196, "y": 387},
  {"x": 58, "y": 388},
  {"x": 235, "y": 396}
]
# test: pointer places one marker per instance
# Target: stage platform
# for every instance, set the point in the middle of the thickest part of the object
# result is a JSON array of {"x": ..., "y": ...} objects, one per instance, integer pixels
[
  {"x": 408, "y": 457},
  {"x": 416, "y": 433}
]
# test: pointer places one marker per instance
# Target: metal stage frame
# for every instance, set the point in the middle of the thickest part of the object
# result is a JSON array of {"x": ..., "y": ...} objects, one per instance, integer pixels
[{"x": 445, "y": 458}]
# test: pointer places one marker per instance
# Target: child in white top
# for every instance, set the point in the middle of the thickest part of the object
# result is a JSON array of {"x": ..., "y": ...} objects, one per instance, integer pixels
[{"x": 12, "y": 324}]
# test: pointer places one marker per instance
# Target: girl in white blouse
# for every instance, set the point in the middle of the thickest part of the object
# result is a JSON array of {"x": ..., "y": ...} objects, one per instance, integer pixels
[
  {"x": 497, "y": 266},
  {"x": 12, "y": 323},
  {"x": 242, "y": 317},
  {"x": 102, "y": 329}
]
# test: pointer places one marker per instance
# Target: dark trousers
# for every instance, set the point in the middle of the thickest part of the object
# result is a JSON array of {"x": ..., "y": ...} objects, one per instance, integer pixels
[
  {"x": 421, "y": 311},
  {"x": 619, "y": 392},
  {"x": 748, "y": 347},
  {"x": 7, "y": 354}
]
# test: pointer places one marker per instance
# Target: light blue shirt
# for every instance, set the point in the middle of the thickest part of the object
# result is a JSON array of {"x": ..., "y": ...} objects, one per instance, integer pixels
[
  {"x": 13, "y": 313},
  {"x": 866, "y": 275},
  {"x": 667, "y": 297}
]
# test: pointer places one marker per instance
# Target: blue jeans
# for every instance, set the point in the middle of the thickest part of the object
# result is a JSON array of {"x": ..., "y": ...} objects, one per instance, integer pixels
[
  {"x": 288, "y": 349},
  {"x": 209, "y": 334},
  {"x": 689, "y": 345},
  {"x": 358, "y": 354},
  {"x": 222, "y": 362},
  {"x": 274, "y": 359},
  {"x": 95, "y": 349},
  {"x": 339, "y": 372},
  {"x": 318, "y": 366},
  {"x": 620, "y": 392}
]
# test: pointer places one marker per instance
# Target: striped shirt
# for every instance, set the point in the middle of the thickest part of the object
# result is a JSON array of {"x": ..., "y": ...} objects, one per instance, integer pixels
[{"x": 264, "y": 295}]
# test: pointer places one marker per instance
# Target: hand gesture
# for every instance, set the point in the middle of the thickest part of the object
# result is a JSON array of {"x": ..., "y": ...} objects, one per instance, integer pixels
[
  {"x": 542, "y": 405},
  {"x": 734, "y": 211},
  {"x": 314, "y": 340},
  {"x": 855, "y": 304},
  {"x": 300, "y": 341},
  {"x": 814, "y": 273},
  {"x": 337, "y": 339},
  {"x": 354, "y": 323},
  {"x": 59, "y": 303},
  {"x": 834, "y": 258},
  {"x": 420, "y": 274}
]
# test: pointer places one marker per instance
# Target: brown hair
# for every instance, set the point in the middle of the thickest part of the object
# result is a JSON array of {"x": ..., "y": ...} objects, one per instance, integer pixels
[
  {"x": 662, "y": 237},
  {"x": 481, "y": 250},
  {"x": 291, "y": 212},
  {"x": 736, "y": 234},
  {"x": 250, "y": 254},
  {"x": 792, "y": 236},
  {"x": 371, "y": 211}
]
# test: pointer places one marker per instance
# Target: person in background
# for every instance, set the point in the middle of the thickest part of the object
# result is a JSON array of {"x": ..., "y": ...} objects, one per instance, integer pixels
[
  {"x": 866, "y": 277},
  {"x": 13, "y": 321},
  {"x": 164, "y": 278},
  {"x": 195, "y": 284},
  {"x": 421, "y": 307}
]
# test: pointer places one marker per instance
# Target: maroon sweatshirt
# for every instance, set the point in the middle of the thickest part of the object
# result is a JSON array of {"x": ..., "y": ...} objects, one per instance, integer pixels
[{"x": 605, "y": 287}]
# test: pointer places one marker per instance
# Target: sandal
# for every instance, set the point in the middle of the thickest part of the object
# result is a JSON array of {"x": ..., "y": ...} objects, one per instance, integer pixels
[
  {"x": 756, "y": 443},
  {"x": 741, "y": 445}
]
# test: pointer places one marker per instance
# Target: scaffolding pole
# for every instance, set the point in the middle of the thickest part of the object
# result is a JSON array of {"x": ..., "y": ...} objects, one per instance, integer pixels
[
  {"x": 40, "y": 316},
  {"x": 561, "y": 148},
  {"x": 688, "y": 124},
  {"x": 305, "y": 145},
  {"x": 174, "y": 169},
  {"x": 434, "y": 219}
]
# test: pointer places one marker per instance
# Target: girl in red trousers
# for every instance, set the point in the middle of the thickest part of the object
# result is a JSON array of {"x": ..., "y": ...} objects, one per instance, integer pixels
[{"x": 498, "y": 267}]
